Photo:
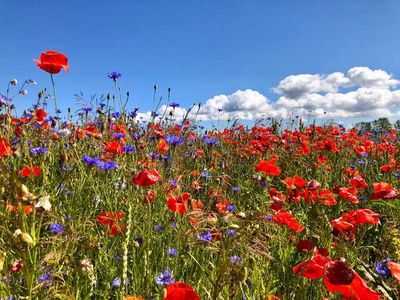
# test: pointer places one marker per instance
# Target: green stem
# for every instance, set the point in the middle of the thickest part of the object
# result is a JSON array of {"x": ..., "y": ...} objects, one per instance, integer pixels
[{"x": 54, "y": 95}]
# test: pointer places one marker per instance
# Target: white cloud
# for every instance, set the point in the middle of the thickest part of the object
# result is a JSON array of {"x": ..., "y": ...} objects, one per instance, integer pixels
[
  {"x": 365, "y": 77},
  {"x": 362, "y": 92}
]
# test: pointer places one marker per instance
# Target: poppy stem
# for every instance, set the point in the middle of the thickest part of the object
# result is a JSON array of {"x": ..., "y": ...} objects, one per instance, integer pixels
[{"x": 54, "y": 95}]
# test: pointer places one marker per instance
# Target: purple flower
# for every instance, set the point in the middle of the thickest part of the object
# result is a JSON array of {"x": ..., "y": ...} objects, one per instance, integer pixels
[
  {"x": 174, "y": 140},
  {"x": 114, "y": 75},
  {"x": 231, "y": 232},
  {"x": 56, "y": 228},
  {"x": 382, "y": 269},
  {"x": 174, "y": 104},
  {"x": 165, "y": 278},
  {"x": 230, "y": 207},
  {"x": 128, "y": 149},
  {"x": 118, "y": 135},
  {"x": 205, "y": 236},
  {"x": 172, "y": 252},
  {"x": 116, "y": 282},
  {"x": 173, "y": 182},
  {"x": 106, "y": 165},
  {"x": 38, "y": 150},
  {"x": 236, "y": 259},
  {"x": 45, "y": 278},
  {"x": 90, "y": 160},
  {"x": 210, "y": 141}
]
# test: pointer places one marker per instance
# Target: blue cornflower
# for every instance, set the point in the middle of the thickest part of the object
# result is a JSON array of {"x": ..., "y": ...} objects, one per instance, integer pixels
[
  {"x": 231, "y": 232},
  {"x": 106, "y": 165},
  {"x": 114, "y": 75},
  {"x": 397, "y": 175},
  {"x": 116, "y": 282},
  {"x": 118, "y": 135},
  {"x": 174, "y": 140},
  {"x": 115, "y": 115},
  {"x": 45, "y": 278},
  {"x": 174, "y": 104},
  {"x": 205, "y": 236},
  {"x": 230, "y": 207},
  {"x": 38, "y": 150},
  {"x": 381, "y": 267},
  {"x": 87, "y": 109},
  {"x": 90, "y": 160},
  {"x": 236, "y": 188},
  {"x": 269, "y": 218},
  {"x": 236, "y": 259},
  {"x": 205, "y": 175},
  {"x": 128, "y": 149},
  {"x": 154, "y": 155},
  {"x": 173, "y": 182},
  {"x": 165, "y": 278},
  {"x": 165, "y": 158},
  {"x": 133, "y": 113},
  {"x": 158, "y": 228},
  {"x": 56, "y": 228},
  {"x": 172, "y": 252},
  {"x": 361, "y": 161},
  {"x": 210, "y": 141}
]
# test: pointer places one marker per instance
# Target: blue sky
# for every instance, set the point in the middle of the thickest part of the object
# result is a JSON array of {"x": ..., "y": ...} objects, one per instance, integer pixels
[{"x": 200, "y": 49}]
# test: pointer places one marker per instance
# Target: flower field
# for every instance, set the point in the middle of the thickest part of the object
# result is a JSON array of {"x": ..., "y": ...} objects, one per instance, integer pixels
[{"x": 107, "y": 206}]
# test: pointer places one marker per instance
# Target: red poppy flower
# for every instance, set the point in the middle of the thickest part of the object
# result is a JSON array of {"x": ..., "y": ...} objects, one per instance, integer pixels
[
  {"x": 178, "y": 204},
  {"x": 327, "y": 198},
  {"x": 222, "y": 206},
  {"x": 28, "y": 171},
  {"x": 360, "y": 217},
  {"x": 304, "y": 246},
  {"x": 294, "y": 182},
  {"x": 112, "y": 221},
  {"x": 313, "y": 268},
  {"x": 283, "y": 217},
  {"x": 349, "y": 194},
  {"x": 114, "y": 147},
  {"x": 395, "y": 269},
  {"x": 39, "y": 114},
  {"x": 151, "y": 195},
  {"x": 5, "y": 147},
  {"x": 180, "y": 291},
  {"x": 341, "y": 278},
  {"x": 162, "y": 146},
  {"x": 268, "y": 167},
  {"x": 338, "y": 276},
  {"x": 385, "y": 168},
  {"x": 146, "y": 177},
  {"x": 383, "y": 190},
  {"x": 358, "y": 182},
  {"x": 52, "y": 62}
]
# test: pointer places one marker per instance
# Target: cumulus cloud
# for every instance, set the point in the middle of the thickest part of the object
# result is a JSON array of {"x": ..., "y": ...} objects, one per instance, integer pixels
[{"x": 360, "y": 92}]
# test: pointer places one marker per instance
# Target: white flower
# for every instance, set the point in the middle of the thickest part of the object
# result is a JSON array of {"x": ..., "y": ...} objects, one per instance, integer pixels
[{"x": 44, "y": 202}]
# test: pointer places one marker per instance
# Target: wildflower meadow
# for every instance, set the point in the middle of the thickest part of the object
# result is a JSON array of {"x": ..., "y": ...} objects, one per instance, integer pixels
[{"x": 107, "y": 204}]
